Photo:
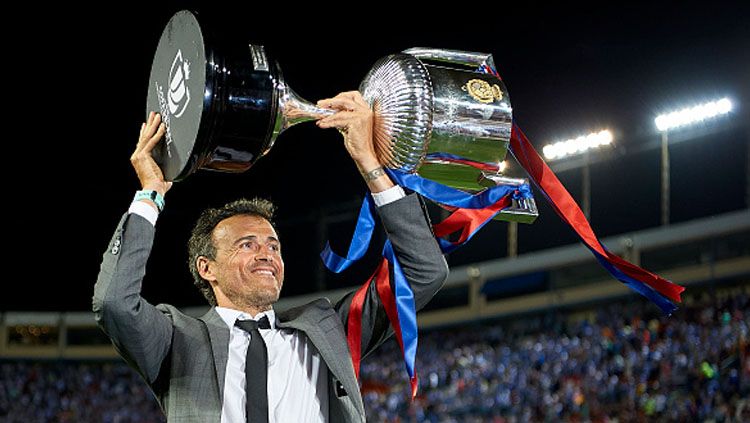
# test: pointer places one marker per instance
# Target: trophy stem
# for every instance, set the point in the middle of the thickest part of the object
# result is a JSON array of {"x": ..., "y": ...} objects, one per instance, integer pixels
[{"x": 294, "y": 109}]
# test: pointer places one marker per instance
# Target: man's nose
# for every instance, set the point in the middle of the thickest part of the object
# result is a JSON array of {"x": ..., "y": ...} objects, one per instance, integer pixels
[{"x": 264, "y": 254}]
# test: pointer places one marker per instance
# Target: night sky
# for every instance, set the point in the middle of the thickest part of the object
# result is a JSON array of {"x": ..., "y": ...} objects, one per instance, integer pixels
[{"x": 568, "y": 71}]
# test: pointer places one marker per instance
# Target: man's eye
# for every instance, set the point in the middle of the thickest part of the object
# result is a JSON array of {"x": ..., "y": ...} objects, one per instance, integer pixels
[
  {"x": 274, "y": 247},
  {"x": 247, "y": 245}
]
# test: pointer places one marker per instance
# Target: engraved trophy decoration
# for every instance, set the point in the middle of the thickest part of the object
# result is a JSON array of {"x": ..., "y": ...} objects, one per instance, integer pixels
[{"x": 225, "y": 104}]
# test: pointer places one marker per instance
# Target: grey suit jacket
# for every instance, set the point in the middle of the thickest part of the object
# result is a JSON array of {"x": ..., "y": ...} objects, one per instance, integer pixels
[{"x": 183, "y": 359}]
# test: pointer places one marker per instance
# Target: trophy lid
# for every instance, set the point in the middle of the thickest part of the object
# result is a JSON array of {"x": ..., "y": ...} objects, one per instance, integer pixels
[{"x": 176, "y": 91}]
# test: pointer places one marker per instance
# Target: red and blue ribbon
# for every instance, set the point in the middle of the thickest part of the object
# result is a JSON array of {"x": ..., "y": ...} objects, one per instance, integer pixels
[
  {"x": 471, "y": 213},
  {"x": 657, "y": 289},
  {"x": 485, "y": 68}
]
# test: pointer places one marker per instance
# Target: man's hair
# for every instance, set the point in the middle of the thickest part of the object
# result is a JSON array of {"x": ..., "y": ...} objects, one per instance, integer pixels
[{"x": 201, "y": 238}]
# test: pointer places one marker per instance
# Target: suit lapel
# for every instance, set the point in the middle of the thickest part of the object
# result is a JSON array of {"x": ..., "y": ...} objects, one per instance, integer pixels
[
  {"x": 313, "y": 320},
  {"x": 218, "y": 332}
]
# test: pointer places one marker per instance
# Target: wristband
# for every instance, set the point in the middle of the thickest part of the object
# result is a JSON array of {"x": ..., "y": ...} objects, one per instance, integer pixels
[
  {"x": 150, "y": 195},
  {"x": 373, "y": 174}
]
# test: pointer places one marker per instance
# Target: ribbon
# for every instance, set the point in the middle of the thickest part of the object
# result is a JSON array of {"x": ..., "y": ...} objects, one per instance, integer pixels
[
  {"x": 471, "y": 213},
  {"x": 448, "y": 196},
  {"x": 485, "y": 68},
  {"x": 360, "y": 239},
  {"x": 655, "y": 288},
  {"x": 468, "y": 221},
  {"x": 402, "y": 313}
]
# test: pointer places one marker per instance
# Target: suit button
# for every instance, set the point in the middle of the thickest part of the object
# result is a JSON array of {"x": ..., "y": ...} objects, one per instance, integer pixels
[
  {"x": 116, "y": 245},
  {"x": 340, "y": 391}
]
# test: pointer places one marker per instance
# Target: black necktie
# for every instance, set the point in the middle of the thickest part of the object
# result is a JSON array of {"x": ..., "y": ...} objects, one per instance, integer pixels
[{"x": 256, "y": 371}]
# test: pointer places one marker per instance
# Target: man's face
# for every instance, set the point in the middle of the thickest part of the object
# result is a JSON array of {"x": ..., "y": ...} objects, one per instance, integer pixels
[{"x": 248, "y": 265}]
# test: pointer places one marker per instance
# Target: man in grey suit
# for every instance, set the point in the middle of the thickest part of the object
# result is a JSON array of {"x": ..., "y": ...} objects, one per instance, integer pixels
[{"x": 203, "y": 370}]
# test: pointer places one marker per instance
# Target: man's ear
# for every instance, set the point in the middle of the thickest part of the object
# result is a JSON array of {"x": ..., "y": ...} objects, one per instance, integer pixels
[{"x": 205, "y": 268}]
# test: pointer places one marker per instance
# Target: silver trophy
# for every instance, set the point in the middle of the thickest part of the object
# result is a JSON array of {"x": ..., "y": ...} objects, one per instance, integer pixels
[{"x": 225, "y": 104}]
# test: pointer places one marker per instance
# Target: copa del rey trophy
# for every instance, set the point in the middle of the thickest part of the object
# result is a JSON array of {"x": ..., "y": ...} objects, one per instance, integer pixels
[
  {"x": 226, "y": 103},
  {"x": 442, "y": 123}
]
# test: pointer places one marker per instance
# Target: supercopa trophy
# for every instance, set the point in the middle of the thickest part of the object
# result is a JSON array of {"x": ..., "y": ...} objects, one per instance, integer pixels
[{"x": 225, "y": 104}]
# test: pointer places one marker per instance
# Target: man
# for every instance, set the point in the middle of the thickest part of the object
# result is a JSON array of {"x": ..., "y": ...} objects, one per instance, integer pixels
[{"x": 214, "y": 368}]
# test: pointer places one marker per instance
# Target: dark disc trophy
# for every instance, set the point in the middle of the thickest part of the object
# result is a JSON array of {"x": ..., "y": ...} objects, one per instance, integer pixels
[{"x": 226, "y": 102}]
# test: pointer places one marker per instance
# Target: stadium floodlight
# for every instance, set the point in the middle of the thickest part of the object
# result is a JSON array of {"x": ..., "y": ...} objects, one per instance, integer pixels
[
  {"x": 693, "y": 114},
  {"x": 679, "y": 118},
  {"x": 577, "y": 145}
]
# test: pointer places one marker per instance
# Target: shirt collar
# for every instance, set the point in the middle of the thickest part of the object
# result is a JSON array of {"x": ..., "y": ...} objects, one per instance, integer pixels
[{"x": 230, "y": 316}]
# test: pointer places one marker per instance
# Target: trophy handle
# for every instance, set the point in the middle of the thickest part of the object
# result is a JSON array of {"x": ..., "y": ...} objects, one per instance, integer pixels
[{"x": 458, "y": 57}]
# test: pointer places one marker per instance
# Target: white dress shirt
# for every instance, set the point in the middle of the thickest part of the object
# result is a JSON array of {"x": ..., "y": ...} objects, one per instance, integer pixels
[{"x": 297, "y": 376}]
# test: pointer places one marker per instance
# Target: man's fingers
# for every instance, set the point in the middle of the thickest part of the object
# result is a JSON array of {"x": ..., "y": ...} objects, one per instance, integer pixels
[
  {"x": 152, "y": 124},
  {"x": 140, "y": 136},
  {"x": 355, "y": 97},
  {"x": 338, "y": 120},
  {"x": 349, "y": 100},
  {"x": 144, "y": 135},
  {"x": 338, "y": 103},
  {"x": 351, "y": 95},
  {"x": 156, "y": 121},
  {"x": 335, "y": 104},
  {"x": 154, "y": 139},
  {"x": 361, "y": 101},
  {"x": 141, "y": 139},
  {"x": 151, "y": 127}
]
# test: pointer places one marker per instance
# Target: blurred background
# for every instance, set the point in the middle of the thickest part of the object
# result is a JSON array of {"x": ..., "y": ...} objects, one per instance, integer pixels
[{"x": 528, "y": 327}]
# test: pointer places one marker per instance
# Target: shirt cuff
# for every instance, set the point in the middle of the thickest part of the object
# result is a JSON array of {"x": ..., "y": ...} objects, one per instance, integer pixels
[
  {"x": 388, "y": 196},
  {"x": 144, "y": 210}
]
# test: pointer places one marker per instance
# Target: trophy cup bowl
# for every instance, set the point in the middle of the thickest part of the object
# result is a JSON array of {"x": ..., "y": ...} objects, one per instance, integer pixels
[{"x": 225, "y": 102}]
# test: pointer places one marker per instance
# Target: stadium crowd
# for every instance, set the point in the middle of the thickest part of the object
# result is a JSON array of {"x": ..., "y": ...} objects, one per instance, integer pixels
[{"x": 623, "y": 362}]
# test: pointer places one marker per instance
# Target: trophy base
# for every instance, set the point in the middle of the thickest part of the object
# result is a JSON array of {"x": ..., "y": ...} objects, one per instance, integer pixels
[
  {"x": 471, "y": 180},
  {"x": 522, "y": 210}
]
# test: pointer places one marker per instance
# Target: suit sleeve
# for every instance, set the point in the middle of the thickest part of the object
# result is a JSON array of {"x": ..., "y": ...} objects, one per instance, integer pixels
[
  {"x": 141, "y": 332},
  {"x": 408, "y": 227}
]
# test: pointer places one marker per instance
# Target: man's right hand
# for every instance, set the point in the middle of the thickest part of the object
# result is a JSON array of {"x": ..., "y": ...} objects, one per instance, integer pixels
[{"x": 148, "y": 171}]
